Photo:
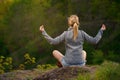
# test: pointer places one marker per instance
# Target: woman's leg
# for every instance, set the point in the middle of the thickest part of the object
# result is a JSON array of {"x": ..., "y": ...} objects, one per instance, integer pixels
[
  {"x": 84, "y": 54},
  {"x": 58, "y": 55}
]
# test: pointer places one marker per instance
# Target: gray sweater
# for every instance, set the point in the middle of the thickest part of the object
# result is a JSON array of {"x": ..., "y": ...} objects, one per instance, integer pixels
[{"x": 73, "y": 47}]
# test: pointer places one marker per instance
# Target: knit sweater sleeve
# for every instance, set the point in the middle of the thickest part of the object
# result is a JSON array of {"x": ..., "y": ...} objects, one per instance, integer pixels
[
  {"x": 93, "y": 40},
  {"x": 56, "y": 40}
]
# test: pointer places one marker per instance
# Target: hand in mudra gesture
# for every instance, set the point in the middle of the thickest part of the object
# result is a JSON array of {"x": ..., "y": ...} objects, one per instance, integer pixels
[
  {"x": 103, "y": 27},
  {"x": 42, "y": 28}
]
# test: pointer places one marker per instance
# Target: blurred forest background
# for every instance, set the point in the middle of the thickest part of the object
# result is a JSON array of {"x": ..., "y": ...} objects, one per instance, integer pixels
[{"x": 20, "y": 21}]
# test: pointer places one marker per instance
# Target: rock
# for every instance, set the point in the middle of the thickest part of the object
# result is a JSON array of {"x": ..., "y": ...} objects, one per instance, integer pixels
[
  {"x": 65, "y": 73},
  {"x": 20, "y": 75}
]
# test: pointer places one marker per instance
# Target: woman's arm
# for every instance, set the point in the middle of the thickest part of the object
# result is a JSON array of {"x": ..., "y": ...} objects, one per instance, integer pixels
[
  {"x": 96, "y": 39},
  {"x": 51, "y": 40}
]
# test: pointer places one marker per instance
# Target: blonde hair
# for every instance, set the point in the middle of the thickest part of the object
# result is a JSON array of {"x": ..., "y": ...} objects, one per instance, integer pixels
[{"x": 73, "y": 21}]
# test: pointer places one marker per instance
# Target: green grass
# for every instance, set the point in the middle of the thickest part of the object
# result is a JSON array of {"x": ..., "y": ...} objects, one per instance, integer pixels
[{"x": 106, "y": 71}]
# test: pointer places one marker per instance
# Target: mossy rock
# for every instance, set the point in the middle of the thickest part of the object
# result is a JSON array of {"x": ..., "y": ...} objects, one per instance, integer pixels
[{"x": 66, "y": 73}]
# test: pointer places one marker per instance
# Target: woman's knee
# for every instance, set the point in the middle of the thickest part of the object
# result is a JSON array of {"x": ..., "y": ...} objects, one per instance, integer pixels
[
  {"x": 84, "y": 52},
  {"x": 55, "y": 52},
  {"x": 57, "y": 55}
]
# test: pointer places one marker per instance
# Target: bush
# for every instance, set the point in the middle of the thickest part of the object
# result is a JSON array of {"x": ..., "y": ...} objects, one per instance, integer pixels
[
  {"x": 5, "y": 64},
  {"x": 108, "y": 71},
  {"x": 45, "y": 67},
  {"x": 84, "y": 77},
  {"x": 97, "y": 57},
  {"x": 28, "y": 62}
]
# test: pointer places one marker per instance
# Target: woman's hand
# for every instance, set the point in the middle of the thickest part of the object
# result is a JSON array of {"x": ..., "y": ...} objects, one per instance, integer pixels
[
  {"x": 103, "y": 27},
  {"x": 42, "y": 28}
]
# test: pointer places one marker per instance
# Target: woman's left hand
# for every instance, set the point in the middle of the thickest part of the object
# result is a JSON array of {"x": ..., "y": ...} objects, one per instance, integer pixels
[{"x": 42, "y": 28}]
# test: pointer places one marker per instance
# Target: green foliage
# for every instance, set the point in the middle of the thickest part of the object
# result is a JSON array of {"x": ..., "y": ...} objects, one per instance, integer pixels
[
  {"x": 88, "y": 48},
  {"x": 28, "y": 59},
  {"x": 84, "y": 77},
  {"x": 45, "y": 67},
  {"x": 21, "y": 67},
  {"x": 3, "y": 49},
  {"x": 108, "y": 71},
  {"x": 97, "y": 57},
  {"x": 107, "y": 9},
  {"x": 28, "y": 62},
  {"x": 4, "y": 7},
  {"x": 5, "y": 64},
  {"x": 113, "y": 56}
]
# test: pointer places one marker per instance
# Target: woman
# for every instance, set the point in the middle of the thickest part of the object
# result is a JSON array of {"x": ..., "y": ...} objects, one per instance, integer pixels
[{"x": 74, "y": 39}]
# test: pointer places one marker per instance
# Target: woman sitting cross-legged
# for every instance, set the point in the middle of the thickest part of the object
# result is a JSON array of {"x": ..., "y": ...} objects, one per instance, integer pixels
[{"x": 74, "y": 39}]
